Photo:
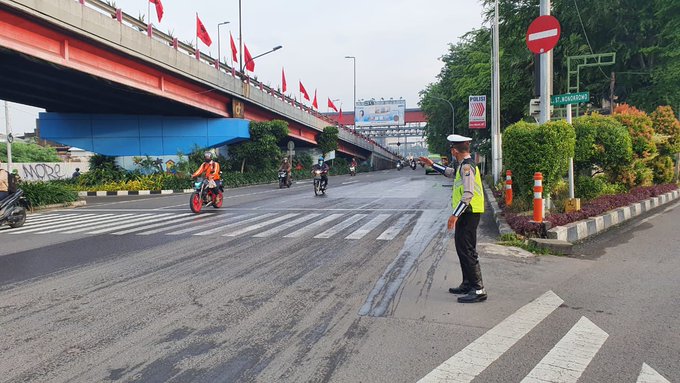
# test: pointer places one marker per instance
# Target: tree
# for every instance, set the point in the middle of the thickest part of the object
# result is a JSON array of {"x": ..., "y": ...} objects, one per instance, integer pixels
[
  {"x": 29, "y": 152},
  {"x": 262, "y": 152},
  {"x": 328, "y": 139}
]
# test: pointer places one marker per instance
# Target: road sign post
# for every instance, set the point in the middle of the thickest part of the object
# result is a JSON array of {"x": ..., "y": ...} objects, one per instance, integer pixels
[
  {"x": 570, "y": 98},
  {"x": 542, "y": 36},
  {"x": 477, "y": 112}
]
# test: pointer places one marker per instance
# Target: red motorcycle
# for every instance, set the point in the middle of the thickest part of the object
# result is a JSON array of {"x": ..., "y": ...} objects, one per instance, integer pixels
[{"x": 204, "y": 195}]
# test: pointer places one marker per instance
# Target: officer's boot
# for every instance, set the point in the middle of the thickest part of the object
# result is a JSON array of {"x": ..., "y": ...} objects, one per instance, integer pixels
[
  {"x": 464, "y": 287},
  {"x": 477, "y": 292}
]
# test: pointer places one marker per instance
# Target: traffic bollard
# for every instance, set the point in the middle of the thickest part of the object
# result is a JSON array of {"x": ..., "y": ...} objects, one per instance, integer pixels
[
  {"x": 508, "y": 188},
  {"x": 538, "y": 197}
]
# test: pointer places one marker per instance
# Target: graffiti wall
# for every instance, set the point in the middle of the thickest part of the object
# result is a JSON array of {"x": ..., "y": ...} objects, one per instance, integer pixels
[{"x": 46, "y": 171}]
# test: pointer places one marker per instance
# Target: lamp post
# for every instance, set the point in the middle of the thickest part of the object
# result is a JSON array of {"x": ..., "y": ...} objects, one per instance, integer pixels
[
  {"x": 276, "y": 48},
  {"x": 354, "y": 108},
  {"x": 453, "y": 113},
  {"x": 219, "y": 45}
]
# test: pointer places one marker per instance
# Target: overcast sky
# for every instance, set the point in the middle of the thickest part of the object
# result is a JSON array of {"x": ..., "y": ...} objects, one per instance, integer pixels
[{"x": 397, "y": 43}]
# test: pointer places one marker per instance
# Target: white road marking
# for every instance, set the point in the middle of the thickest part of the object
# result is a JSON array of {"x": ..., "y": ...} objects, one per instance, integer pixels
[
  {"x": 137, "y": 217},
  {"x": 349, "y": 182},
  {"x": 313, "y": 226},
  {"x": 649, "y": 375},
  {"x": 394, "y": 230},
  {"x": 137, "y": 222},
  {"x": 286, "y": 225},
  {"x": 142, "y": 228},
  {"x": 478, "y": 355},
  {"x": 260, "y": 225},
  {"x": 571, "y": 355},
  {"x": 368, "y": 227},
  {"x": 85, "y": 222},
  {"x": 210, "y": 224},
  {"x": 543, "y": 34},
  {"x": 199, "y": 217},
  {"x": 43, "y": 225},
  {"x": 238, "y": 222},
  {"x": 341, "y": 226}
]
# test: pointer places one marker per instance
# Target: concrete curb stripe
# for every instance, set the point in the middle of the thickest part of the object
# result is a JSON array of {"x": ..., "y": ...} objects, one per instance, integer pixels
[
  {"x": 571, "y": 355},
  {"x": 478, "y": 355},
  {"x": 649, "y": 375}
]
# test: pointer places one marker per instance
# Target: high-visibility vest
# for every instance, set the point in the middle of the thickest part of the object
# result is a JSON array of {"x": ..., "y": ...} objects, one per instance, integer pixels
[{"x": 477, "y": 203}]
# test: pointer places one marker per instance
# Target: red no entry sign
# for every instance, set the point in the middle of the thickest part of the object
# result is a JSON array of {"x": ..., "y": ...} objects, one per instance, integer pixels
[{"x": 543, "y": 34}]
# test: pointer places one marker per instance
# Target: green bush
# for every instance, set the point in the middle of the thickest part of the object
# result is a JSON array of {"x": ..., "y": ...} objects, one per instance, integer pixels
[
  {"x": 601, "y": 142},
  {"x": 644, "y": 175},
  {"x": 663, "y": 170},
  {"x": 530, "y": 148},
  {"x": 303, "y": 158},
  {"x": 339, "y": 166},
  {"x": 667, "y": 126},
  {"x": 587, "y": 187},
  {"x": 29, "y": 152},
  {"x": 641, "y": 130},
  {"x": 48, "y": 193}
]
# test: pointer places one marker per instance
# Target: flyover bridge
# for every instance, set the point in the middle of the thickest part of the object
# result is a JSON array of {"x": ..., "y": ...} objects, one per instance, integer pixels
[{"x": 116, "y": 86}]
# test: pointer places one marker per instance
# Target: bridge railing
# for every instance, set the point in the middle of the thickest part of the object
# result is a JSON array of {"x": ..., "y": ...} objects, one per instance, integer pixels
[{"x": 141, "y": 26}]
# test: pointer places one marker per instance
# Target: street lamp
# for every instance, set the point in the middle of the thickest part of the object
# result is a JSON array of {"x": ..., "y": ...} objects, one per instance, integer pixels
[
  {"x": 453, "y": 113},
  {"x": 219, "y": 54},
  {"x": 276, "y": 48},
  {"x": 354, "y": 60}
]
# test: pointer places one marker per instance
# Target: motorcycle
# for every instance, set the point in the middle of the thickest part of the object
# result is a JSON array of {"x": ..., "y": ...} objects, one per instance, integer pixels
[
  {"x": 399, "y": 165},
  {"x": 319, "y": 187},
  {"x": 413, "y": 164},
  {"x": 203, "y": 196},
  {"x": 284, "y": 181},
  {"x": 352, "y": 171},
  {"x": 13, "y": 210}
]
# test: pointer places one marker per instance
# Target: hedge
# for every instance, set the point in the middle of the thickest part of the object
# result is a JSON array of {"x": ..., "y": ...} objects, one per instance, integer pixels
[
  {"x": 48, "y": 193},
  {"x": 601, "y": 142},
  {"x": 530, "y": 148}
]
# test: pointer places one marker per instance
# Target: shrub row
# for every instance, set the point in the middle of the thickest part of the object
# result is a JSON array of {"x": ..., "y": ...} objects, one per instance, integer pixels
[
  {"x": 48, "y": 193},
  {"x": 521, "y": 223}
]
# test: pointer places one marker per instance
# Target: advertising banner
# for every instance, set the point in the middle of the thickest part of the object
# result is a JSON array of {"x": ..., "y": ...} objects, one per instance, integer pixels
[
  {"x": 477, "y": 108},
  {"x": 380, "y": 113}
]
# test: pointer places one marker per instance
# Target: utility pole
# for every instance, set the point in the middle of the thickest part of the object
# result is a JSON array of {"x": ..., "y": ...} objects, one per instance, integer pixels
[
  {"x": 546, "y": 73},
  {"x": 612, "y": 86},
  {"x": 496, "y": 143},
  {"x": 8, "y": 136},
  {"x": 240, "y": 37}
]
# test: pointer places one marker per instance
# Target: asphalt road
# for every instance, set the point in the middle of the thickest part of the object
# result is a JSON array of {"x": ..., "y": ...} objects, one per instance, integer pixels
[{"x": 283, "y": 286}]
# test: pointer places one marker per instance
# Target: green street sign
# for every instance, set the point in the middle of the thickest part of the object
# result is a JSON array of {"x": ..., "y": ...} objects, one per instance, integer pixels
[{"x": 570, "y": 98}]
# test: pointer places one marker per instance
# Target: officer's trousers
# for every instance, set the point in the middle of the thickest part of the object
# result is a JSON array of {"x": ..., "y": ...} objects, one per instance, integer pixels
[{"x": 466, "y": 247}]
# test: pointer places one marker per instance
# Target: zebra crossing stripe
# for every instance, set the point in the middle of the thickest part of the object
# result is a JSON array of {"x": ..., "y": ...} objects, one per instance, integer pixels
[
  {"x": 259, "y": 225},
  {"x": 176, "y": 226},
  {"x": 141, "y": 221},
  {"x": 368, "y": 227},
  {"x": 137, "y": 217},
  {"x": 341, "y": 226},
  {"x": 141, "y": 228},
  {"x": 46, "y": 217},
  {"x": 313, "y": 226},
  {"x": 478, "y": 355},
  {"x": 117, "y": 218},
  {"x": 43, "y": 225},
  {"x": 239, "y": 221},
  {"x": 393, "y": 231},
  {"x": 649, "y": 375},
  {"x": 99, "y": 218},
  {"x": 570, "y": 356},
  {"x": 286, "y": 225}
]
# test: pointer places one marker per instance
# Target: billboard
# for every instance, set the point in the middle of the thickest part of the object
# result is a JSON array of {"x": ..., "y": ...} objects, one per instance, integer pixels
[
  {"x": 379, "y": 113},
  {"x": 477, "y": 108}
]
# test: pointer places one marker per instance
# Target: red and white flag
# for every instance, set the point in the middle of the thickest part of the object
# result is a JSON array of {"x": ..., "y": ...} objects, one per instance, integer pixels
[
  {"x": 304, "y": 91},
  {"x": 234, "y": 51},
  {"x": 159, "y": 8},
  {"x": 283, "y": 81},
  {"x": 315, "y": 105},
  {"x": 201, "y": 32},
  {"x": 250, "y": 63},
  {"x": 331, "y": 105}
]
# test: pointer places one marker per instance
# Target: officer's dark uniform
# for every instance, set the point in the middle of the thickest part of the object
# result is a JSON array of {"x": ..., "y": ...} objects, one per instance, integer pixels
[{"x": 468, "y": 205}]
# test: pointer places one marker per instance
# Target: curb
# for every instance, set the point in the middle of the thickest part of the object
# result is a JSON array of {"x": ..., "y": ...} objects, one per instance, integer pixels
[
  {"x": 130, "y": 192},
  {"x": 580, "y": 230},
  {"x": 59, "y": 205},
  {"x": 501, "y": 223}
]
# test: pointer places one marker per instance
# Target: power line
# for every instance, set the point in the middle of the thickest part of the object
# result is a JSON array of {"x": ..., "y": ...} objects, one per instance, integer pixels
[{"x": 578, "y": 12}]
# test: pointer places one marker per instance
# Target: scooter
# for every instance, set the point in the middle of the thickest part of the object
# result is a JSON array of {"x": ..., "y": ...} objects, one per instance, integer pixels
[
  {"x": 413, "y": 164},
  {"x": 13, "y": 210},
  {"x": 319, "y": 187},
  {"x": 284, "y": 181},
  {"x": 399, "y": 165},
  {"x": 204, "y": 196}
]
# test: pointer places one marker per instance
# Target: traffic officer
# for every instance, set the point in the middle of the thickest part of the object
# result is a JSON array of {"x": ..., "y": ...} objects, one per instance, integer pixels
[{"x": 468, "y": 205}]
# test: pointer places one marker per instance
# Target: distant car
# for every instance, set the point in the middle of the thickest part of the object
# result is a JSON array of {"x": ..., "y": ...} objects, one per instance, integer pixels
[{"x": 434, "y": 158}]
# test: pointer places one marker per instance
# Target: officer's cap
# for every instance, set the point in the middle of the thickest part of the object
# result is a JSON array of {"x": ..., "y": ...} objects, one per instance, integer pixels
[{"x": 457, "y": 138}]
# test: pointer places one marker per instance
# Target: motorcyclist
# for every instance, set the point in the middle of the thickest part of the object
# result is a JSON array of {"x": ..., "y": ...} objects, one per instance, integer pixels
[
  {"x": 285, "y": 166},
  {"x": 211, "y": 169},
  {"x": 321, "y": 165},
  {"x": 354, "y": 163}
]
